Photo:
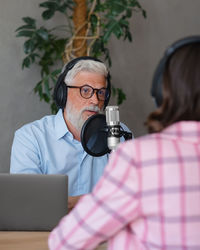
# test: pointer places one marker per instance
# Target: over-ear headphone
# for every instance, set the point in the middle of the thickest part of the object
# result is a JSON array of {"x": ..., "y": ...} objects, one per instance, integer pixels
[
  {"x": 156, "y": 90},
  {"x": 60, "y": 90}
]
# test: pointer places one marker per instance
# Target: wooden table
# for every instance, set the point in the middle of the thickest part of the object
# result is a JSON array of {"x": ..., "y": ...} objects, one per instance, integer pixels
[
  {"x": 23, "y": 240},
  {"x": 18, "y": 240}
]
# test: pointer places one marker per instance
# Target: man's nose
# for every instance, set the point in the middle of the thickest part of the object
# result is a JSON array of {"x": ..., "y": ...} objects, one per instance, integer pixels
[{"x": 94, "y": 98}]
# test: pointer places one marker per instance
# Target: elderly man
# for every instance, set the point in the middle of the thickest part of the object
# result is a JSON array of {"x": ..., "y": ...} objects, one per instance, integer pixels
[{"x": 52, "y": 145}]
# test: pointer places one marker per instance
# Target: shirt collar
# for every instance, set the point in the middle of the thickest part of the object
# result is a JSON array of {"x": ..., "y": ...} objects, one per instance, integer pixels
[
  {"x": 61, "y": 128},
  {"x": 184, "y": 130}
]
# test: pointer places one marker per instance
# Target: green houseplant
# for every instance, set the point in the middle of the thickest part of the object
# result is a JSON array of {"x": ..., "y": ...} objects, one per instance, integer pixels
[{"x": 88, "y": 28}]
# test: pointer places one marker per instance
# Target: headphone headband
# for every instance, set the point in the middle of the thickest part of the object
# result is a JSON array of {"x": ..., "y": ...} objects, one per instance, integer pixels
[
  {"x": 60, "y": 90},
  {"x": 156, "y": 90}
]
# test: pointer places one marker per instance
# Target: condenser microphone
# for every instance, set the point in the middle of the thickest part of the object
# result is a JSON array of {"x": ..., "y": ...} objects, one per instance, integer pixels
[
  {"x": 113, "y": 124},
  {"x": 101, "y": 133}
]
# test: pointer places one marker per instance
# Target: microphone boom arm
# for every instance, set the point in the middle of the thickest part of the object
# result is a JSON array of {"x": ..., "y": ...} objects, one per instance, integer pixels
[{"x": 126, "y": 135}]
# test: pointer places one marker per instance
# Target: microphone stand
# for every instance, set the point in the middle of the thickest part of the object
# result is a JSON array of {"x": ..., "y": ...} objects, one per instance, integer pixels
[{"x": 120, "y": 133}]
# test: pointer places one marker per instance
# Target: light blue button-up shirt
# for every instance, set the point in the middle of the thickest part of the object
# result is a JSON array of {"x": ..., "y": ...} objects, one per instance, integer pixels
[{"x": 46, "y": 146}]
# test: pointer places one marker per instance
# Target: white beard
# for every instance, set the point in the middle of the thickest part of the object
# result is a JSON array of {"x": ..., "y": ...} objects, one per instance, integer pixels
[{"x": 76, "y": 117}]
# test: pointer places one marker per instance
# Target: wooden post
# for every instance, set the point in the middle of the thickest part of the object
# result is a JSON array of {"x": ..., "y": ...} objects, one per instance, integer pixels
[{"x": 80, "y": 25}]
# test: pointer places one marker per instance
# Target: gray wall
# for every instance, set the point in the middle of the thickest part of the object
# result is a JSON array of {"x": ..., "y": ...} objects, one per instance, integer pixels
[{"x": 132, "y": 69}]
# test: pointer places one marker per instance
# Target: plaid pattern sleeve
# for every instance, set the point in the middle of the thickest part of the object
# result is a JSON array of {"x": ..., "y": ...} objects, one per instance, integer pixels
[{"x": 147, "y": 198}]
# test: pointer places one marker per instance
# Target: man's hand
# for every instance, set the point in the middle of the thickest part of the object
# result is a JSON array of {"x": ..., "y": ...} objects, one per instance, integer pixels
[{"x": 72, "y": 200}]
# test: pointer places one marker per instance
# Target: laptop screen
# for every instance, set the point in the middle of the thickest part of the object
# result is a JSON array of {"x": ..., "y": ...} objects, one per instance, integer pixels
[{"x": 30, "y": 202}]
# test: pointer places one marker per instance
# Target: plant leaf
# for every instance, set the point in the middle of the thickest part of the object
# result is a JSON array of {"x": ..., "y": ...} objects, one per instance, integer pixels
[
  {"x": 26, "y": 62},
  {"x": 46, "y": 87},
  {"x": 38, "y": 89},
  {"x": 54, "y": 108},
  {"x": 121, "y": 96},
  {"x": 29, "y": 20},
  {"x": 28, "y": 46},
  {"x": 47, "y": 14},
  {"x": 25, "y": 33},
  {"x": 50, "y": 5},
  {"x": 33, "y": 56},
  {"x": 56, "y": 72},
  {"x": 110, "y": 27},
  {"x": 43, "y": 34},
  {"x": 24, "y": 27}
]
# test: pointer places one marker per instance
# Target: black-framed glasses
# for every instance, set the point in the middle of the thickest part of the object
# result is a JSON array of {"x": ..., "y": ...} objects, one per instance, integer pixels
[{"x": 87, "y": 92}]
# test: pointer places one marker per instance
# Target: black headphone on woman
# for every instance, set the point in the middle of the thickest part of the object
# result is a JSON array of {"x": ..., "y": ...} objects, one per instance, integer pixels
[
  {"x": 60, "y": 90},
  {"x": 156, "y": 90}
]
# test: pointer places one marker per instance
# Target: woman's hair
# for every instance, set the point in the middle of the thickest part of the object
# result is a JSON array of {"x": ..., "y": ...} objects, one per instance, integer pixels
[{"x": 181, "y": 89}]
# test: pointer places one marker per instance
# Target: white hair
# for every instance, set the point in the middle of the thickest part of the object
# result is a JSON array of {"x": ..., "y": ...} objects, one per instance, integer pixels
[{"x": 86, "y": 65}]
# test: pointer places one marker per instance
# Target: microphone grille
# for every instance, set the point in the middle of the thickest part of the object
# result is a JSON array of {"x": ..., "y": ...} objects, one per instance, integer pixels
[{"x": 112, "y": 115}]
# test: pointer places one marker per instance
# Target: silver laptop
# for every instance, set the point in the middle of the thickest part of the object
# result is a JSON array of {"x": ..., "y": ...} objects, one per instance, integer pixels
[{"x": 30, "y": 202}]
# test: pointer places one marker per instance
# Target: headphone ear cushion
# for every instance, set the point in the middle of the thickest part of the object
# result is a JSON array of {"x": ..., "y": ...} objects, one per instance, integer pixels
[
  {"x": 156, "y": 90},
  {"x": 60, "y": 93},
  {"x": 108, "y": 94}
]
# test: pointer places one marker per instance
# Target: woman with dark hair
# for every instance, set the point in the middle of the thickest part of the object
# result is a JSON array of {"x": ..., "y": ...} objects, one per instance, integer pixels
[
  {"x": 181, "y": 89},
  {"x": 149, "y": 195}
]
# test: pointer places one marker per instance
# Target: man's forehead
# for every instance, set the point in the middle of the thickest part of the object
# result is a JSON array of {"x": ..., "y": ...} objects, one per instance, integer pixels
[
  {"x": 89, "y": 73},
  {"x": 95, "y": 77}
]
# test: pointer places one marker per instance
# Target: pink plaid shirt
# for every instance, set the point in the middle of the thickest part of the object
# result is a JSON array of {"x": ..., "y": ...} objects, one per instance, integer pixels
[{"x": 148, "y": 197}]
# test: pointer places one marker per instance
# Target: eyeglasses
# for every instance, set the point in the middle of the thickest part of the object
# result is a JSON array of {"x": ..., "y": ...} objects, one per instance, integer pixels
[{"x": 87, "y": 92}]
